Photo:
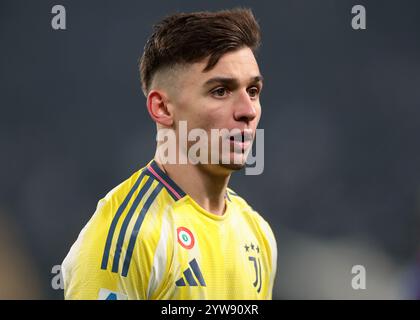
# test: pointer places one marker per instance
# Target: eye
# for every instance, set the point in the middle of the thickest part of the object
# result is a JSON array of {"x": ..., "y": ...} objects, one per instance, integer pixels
[
  {"x": 253, "y": 92},
  {"x": 219, "y": 92}
]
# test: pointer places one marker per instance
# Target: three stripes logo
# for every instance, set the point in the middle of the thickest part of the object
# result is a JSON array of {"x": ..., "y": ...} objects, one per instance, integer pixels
[
  {"x": 253, "y": 257},
  {"x": 191, "y": 275}
]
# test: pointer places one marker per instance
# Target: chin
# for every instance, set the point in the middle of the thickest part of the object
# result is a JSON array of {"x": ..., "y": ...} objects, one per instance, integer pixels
[{"x": 232, "y": 166}]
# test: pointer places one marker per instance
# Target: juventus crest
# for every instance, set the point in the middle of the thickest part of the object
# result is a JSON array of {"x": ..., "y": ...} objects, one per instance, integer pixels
[{"x": 253, "y": 252}]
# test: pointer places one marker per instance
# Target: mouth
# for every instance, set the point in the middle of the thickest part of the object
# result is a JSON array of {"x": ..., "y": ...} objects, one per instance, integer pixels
[
  {"x": 242, "y": 139},
  {"x": 243, "y": 136}
]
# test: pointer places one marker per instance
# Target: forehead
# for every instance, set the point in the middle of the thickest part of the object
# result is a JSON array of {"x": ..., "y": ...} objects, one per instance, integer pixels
[{"x": 240, "y": 64}]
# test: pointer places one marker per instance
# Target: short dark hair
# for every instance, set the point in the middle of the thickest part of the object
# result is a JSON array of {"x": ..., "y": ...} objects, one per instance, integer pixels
[{"x": 184, "y": 38}]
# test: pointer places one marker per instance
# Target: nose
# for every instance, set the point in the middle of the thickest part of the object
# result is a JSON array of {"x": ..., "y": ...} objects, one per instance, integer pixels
[{"x": 245, "y": 109}]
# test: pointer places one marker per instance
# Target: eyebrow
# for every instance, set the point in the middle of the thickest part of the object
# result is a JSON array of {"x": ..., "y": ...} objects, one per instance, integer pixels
[{"x": 231, "y": 81}]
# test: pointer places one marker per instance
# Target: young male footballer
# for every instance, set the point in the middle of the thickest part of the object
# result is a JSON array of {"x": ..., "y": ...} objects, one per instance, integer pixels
[{"x": 174, "y": 230}]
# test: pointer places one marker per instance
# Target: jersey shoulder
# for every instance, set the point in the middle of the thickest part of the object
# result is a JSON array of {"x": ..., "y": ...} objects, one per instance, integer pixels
[
  {"x": 125, "y": 227},
  {"x": 132, "y": 218},
  {"x": 243, "y": 205},
  {"x": 250, "y": 214}
]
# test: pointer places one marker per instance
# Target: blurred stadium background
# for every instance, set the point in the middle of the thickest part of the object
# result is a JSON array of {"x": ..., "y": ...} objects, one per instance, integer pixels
[{"x": 341, "y": 113}]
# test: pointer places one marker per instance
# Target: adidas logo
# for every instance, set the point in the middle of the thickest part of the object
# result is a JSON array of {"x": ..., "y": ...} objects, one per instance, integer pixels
[{"x": 190, "y": 280}]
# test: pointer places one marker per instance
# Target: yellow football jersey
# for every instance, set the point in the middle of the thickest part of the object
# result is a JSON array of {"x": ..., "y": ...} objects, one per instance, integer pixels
[{"x": 149, "y": 240}]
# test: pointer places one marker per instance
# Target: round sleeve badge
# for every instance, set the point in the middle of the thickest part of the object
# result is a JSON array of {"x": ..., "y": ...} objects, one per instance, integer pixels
[{"x": 185, "y": 237}]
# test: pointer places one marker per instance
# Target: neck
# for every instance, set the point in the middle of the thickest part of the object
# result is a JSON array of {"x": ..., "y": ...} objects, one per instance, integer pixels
[{"x": 203, "y": 185}]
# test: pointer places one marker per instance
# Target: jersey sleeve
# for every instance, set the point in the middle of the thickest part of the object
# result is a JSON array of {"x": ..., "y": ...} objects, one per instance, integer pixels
[{"x": 272, "y": 251}]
